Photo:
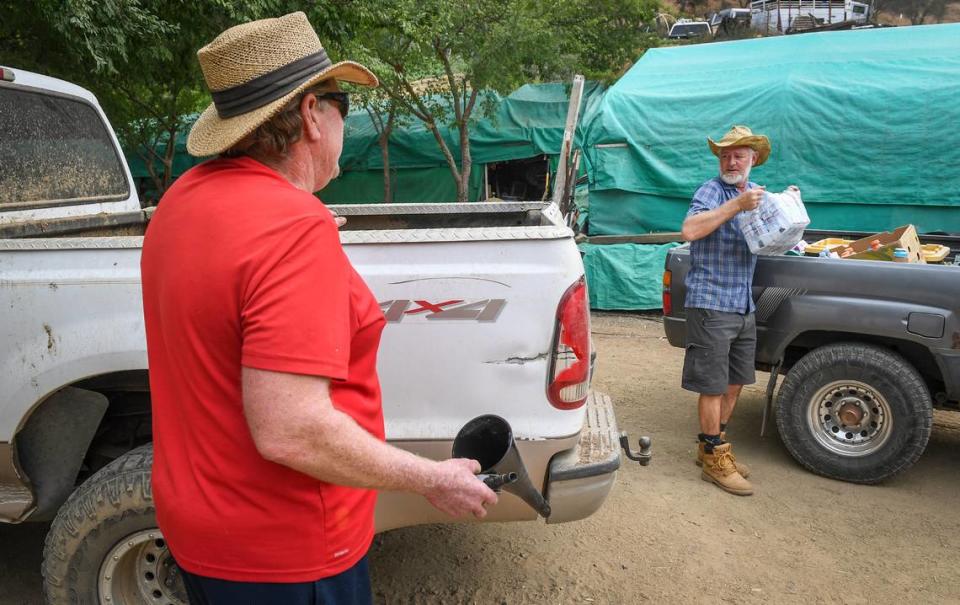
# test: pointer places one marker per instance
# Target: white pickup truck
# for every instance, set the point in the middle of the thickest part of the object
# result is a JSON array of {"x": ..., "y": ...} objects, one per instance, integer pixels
[{"x": 487, "y": 314}]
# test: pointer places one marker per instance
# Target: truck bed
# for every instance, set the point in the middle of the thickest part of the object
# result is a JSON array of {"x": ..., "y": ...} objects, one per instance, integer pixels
[{"x": 804, "y": 302}]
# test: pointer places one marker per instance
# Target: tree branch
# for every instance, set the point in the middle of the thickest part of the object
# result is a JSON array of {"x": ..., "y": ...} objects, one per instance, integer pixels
[
  {"x": 405, "y": 103},
  {"x": 417, "y": 108},
  {"x": 473, "y": 100},
  {"x": 135, "y": 99},
  {"x": 375, "y": 119},
  {"x": 451, "y": 79}
]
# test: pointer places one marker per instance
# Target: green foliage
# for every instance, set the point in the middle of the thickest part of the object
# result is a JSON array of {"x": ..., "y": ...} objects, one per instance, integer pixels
[
  {"x": 59, "y": 37},
  {"x": 434, "y": 57},
  {"x": 604, "y": 38},
  {"x": 137, "y": 56}
]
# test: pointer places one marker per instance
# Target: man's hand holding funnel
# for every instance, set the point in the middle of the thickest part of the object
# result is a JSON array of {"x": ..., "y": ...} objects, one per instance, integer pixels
[
  {"x": 456, "y": 490},
  {"x": 489, "y": 440}
]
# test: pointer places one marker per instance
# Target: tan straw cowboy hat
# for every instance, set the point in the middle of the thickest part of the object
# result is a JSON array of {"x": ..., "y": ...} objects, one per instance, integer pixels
[
  {"x": 253, "y": 70},
  {"x": 741, "y": 136}
]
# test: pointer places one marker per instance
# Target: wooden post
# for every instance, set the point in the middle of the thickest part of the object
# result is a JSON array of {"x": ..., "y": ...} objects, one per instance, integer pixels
[{"x": 569, "y": 132}]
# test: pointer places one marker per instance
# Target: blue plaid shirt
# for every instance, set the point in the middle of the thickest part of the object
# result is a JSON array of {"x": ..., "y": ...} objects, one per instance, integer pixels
[{"x": 721, "y": 269}]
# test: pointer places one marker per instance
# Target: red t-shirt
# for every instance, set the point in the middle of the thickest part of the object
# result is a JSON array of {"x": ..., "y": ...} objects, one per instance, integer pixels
[{"x": 240, "y": 268}]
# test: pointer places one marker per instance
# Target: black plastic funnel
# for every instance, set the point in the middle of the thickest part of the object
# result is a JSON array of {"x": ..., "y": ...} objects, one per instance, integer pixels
[{"x": 489, "y": 440}]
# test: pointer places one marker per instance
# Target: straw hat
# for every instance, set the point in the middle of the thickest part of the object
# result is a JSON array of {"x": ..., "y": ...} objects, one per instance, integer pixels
[
  {"x": 741, "y": 136},
  {"x": 253, "y": 70}
]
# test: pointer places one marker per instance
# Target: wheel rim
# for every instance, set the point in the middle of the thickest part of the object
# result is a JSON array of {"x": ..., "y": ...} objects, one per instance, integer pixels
[
  {"x": 849, "y": 418},
  {"x": 140, "y": 569}
]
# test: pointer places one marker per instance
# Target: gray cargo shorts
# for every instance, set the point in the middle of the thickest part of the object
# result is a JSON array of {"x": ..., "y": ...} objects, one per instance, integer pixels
[{"x": 720, "y": 350}]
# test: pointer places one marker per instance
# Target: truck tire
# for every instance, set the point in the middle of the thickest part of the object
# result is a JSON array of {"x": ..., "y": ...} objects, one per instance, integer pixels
[
  {"x": 854, "y": 412},
  {"x": 104, "y": 546}
]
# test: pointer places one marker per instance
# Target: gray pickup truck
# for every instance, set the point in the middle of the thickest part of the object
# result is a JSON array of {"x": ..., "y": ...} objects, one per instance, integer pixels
[{"x": 869, "y": 349}]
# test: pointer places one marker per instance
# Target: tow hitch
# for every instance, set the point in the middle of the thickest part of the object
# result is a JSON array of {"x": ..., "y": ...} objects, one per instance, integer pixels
[{"x": 643, "y": 456}]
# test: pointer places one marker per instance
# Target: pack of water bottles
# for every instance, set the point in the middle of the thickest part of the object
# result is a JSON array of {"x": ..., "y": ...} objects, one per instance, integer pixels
[{"x": 776, "y": 225}]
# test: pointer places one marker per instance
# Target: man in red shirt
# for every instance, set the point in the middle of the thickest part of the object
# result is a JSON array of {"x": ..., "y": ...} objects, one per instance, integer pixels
[{"x": 262, "y": 342}]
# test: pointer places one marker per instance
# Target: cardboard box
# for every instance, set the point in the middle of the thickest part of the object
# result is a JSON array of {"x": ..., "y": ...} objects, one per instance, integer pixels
[{"x": 904, "y": 237}]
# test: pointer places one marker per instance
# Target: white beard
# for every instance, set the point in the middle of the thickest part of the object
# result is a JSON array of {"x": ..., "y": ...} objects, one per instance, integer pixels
[{"x": 732, "y": 178}]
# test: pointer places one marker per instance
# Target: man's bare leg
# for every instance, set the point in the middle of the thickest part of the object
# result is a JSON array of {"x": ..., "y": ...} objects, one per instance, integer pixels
[
  {"x": 711, "y": 407},
  {"x": 729, "y": 402},
  {"x": 719, "y": 467},
  {"x": 726, "y": 412}
]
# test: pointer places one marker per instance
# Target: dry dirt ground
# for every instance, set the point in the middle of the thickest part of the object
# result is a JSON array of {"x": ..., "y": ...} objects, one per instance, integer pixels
[{"x": 665, "y": 536}]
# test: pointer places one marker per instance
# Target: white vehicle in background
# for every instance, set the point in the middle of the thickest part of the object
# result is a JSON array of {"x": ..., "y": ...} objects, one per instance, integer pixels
[
  {"x": 487, "y": 313},
  {"x": 782, "y": 16},
  {"x": 688, "y": 28}
]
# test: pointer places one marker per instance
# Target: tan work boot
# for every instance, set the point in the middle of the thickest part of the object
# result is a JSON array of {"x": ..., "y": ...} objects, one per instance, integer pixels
[
  {"x": 742, "y": 468},
  {"x": 720, "y": 469}
]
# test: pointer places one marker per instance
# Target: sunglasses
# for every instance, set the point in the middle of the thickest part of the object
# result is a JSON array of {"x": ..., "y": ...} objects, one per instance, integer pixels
[{"x": 342, "y": 99}]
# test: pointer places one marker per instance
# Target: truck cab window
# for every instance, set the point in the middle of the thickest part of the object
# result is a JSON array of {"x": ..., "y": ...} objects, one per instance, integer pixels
[{"x": 55, "y": 150}]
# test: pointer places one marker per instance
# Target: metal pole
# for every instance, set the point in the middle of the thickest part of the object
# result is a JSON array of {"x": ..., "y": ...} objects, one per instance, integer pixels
[{"x": 486, "y": 182}]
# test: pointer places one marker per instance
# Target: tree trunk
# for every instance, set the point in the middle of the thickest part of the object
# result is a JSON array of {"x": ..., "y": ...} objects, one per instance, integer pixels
[
  {"x": 147, "y": 150},
  {"x": 385, "y": 154},
  {"x": 466, "y": 164},
  {"x": 168, "y": 157},
  {"x": 447, "y": 154},
  {"x": 384, "y": 141},
  {"x": 419, "y": 110},
  {"x": 463, "y": 186},
  {"x": 148, "y": 159}
]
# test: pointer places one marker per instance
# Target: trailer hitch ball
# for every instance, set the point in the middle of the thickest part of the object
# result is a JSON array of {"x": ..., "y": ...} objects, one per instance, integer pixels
[{"x": 644, "y": 455}]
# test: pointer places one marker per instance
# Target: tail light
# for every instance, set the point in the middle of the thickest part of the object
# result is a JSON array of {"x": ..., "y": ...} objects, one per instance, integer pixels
[
  {"x": 570, "y": 363},
  {"x": 667, "y": 297}
]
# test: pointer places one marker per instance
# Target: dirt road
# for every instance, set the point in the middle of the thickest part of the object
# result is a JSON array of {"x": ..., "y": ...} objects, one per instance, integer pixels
[{"x": 665, "y": 536}]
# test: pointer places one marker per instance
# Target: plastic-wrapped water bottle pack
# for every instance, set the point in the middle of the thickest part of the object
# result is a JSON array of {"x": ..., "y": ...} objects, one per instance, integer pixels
[{"x": 777, "y": 224}]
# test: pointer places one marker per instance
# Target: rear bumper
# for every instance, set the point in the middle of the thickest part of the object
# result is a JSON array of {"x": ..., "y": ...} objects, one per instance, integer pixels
[
  {"x": 675, "y": 329},
  {"x": 580, "y": 479},
  {"x": 576, "y": 474}
]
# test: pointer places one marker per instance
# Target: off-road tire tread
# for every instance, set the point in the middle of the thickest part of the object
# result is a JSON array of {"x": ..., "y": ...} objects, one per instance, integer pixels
[
  {"x": 117, "y": 492},
  {"x": 871, "y": 363}
]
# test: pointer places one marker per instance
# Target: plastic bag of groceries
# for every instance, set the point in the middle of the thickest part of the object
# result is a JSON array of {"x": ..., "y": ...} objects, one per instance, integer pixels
[{"x": 776, "y": 225}]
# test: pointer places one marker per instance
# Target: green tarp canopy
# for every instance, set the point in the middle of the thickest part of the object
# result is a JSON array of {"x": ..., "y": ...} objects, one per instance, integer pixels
[
  {"x": 625, "y": 277},
  {"x": 865, "y": 122},
  {"x": 527, "y": 123}
]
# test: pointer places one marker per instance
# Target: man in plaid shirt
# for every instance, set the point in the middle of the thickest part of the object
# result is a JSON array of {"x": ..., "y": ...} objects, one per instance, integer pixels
[{"x": 721, "y": 328}]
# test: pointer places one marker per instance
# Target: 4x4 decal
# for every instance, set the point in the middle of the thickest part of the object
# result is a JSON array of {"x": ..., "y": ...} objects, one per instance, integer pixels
[{"x": 456, "y": 309}]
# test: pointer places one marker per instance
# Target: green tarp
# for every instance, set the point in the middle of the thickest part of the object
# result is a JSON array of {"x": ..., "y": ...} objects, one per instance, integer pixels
[
  {"x": 434, "y": 184},
  {"x": 866, "y": 123},
  {"x": 527, "y": 123},
  {"x": 624, "y": 276},
  {"x": 524, "y": 124}
]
